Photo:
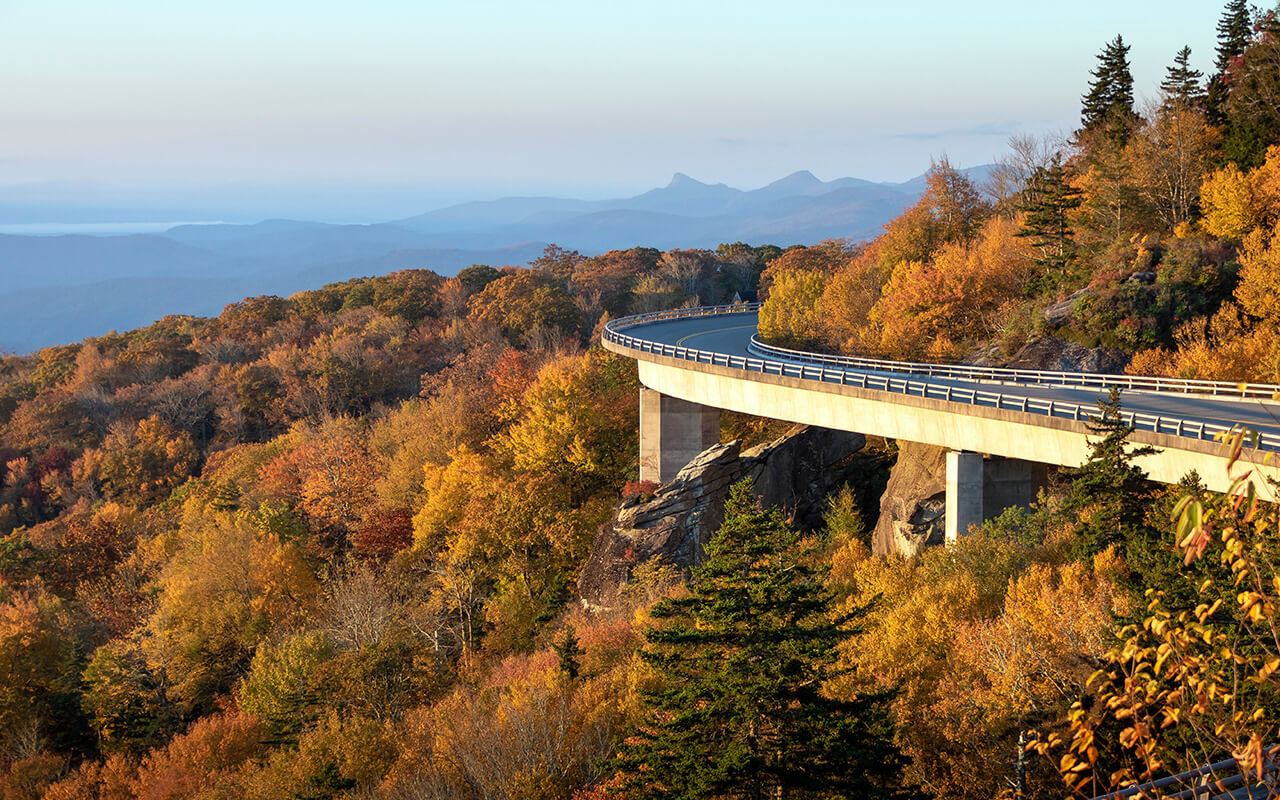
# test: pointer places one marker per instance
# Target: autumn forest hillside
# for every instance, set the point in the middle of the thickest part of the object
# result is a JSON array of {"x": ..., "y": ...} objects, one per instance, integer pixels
[{"x": 327, "y": 546}]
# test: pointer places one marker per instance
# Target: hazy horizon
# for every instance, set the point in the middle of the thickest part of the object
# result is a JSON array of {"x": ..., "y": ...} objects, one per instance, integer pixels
[
  {"x": 166, "y": 206},
  {"x": 310, "y": 109}
]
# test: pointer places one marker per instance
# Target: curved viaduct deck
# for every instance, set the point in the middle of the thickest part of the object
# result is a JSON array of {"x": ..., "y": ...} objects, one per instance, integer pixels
[{"x": 707, "y": 357}]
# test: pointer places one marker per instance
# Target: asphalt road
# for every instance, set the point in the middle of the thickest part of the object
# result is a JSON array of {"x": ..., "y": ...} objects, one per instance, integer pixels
[{"x": 730, "y": 335}]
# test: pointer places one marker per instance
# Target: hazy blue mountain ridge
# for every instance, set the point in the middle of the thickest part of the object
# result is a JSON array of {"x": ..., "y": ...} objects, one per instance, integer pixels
[
  {"x": 55, "y": 289},
  {"x": 33, "y": 261}
]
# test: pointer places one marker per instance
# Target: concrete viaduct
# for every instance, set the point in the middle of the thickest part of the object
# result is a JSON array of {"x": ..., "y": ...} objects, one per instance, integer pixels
[{"x": 1001, "y": 427}]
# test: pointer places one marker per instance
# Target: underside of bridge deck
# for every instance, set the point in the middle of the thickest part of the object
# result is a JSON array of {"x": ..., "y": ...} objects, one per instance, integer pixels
[{"x": 673, "y": 432}]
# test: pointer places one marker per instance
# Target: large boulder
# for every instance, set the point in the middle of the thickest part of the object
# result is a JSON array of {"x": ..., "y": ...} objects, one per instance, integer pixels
[
  {"x": 912, "y": 508},
  {"x": 1052, "y": 353},
  {"x": 795, "y": 472}
]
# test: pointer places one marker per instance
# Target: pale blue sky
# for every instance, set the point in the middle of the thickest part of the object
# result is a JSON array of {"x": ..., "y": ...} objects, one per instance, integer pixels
[{"x": 561, "y": 96}]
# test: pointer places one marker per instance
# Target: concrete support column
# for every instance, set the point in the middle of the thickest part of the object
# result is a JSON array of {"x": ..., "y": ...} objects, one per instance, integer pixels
[
  {"x": 1008, "y": 482},
  {"x": 672, "y": 433},
  {"x": 964, "y": 493}
]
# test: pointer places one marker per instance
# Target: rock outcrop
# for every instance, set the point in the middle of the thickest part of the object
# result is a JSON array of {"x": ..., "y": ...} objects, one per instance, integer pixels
[
  {"x": 795, "y": 472},
  {"x": 1052, "y": 353},
  {"x": 913, "y": 504},
  {"x": 1060, "y": 313}
]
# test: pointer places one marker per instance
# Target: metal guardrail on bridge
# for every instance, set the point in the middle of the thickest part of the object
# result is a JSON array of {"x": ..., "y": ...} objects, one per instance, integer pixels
[
  {"x": 819, "y": 371},
  {"x": 1217, "y": 780},
  {"x": 1039, "y": 377}
]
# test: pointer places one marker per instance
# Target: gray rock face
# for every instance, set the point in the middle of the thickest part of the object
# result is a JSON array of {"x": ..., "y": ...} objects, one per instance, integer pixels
[
  {"x": 1059, "y": 313},
  {"x": 794, "y": 472},
  {"x": 912, "y": 506},
  {"x": 1052, "y": 353}
]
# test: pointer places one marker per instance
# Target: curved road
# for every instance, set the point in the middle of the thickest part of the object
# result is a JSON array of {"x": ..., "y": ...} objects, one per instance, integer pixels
[{"x": 730, "y": 335}]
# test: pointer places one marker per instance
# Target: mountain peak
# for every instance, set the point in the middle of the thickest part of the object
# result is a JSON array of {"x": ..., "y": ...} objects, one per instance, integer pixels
[
  {"x": 800, "y": 181},
  {"x": 801, "y": 176},
  {"x": 680, "y": 179}
]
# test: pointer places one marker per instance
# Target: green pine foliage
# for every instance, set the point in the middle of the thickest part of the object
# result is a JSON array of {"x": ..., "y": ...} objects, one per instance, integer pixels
[
  {"x": 1108, "y": 105},
  {"x": 1048, "y": 202},
  {"x": 1252, "y": 116},
  {"x": 1234, "y": 30},
  {"x": 1182, "y": 83},
  {"x": 568, "y": 652},
  {"x": 1154, "y": 560},
  {"x": 742, "y": 660},
  {"x": 1110, "y": 492}
]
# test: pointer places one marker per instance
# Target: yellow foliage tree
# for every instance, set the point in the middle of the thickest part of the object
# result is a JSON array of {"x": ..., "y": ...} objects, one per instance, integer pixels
[
  {"x": 789, "y": 316},
  {"x": 37, "y": 656},
  {"x": 847, "y": 299},
  {"x": 577, "y": 421},
  {"x": 526, "y": 734},
  {"x": 1259, "y": 289},
  {"x": 979, "y": 639},
  {"x": 1237, "y": 202},
  {"x": 196, "y": 760},
  {"x": 1040, "y": 649},
  {"x": 951, "y": 210},
  {"x": 921, "y": 606},
  {"x": 826, "y": 257},
  {"x": 224, "y": 588},
  {"x": 1226, "y": 197},
  {"x": 452, "y": 493},
  {"x": 1266, "y": 186},
  {"x": 145, "y": 462},
  {"x": 336, "y": 480}
]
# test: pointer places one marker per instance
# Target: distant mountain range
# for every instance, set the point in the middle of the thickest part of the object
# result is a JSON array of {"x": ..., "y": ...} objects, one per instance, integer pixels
[{"x": 57, "y": 289}]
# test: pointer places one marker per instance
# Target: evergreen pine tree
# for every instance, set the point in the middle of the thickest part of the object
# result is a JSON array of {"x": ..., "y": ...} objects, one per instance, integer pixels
[
  {"x": 1108, "y": 105},
  {"x": 1047, "y": 201},
  {"x": 1154, "y": 561},
  {"x": 1250, "y": 111},
  {"x": 1234, "y": 31},
  {"x": 1182, "y": 83},
  {"x": 1109, "y": 490},
  {"x": 742, "y": 661},
  {"x": 567, "y": 650}
]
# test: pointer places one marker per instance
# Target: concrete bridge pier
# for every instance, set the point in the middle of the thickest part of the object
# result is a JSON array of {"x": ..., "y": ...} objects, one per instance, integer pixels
[
  {"x": 672, "y": 433},
  {"x": 978, "y": 488},
  {"x": 964, "y": 493}
]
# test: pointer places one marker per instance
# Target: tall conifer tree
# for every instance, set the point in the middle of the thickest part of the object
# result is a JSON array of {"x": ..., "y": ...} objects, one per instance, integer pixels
[
  {"x": 1234, "y": 31},
  {"x": 1181, "y": 83},
  {"x": 742, "y": 660},
  {"x": 1108, "y": 105},
  {"x": 1048, "y": 201},
  {"x": 1110, "y": 490},
  {"x": 1251, "y": 110}
]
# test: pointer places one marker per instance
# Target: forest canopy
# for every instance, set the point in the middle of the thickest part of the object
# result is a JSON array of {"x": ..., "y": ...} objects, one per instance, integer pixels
[{"x": 326, "y": 546}]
